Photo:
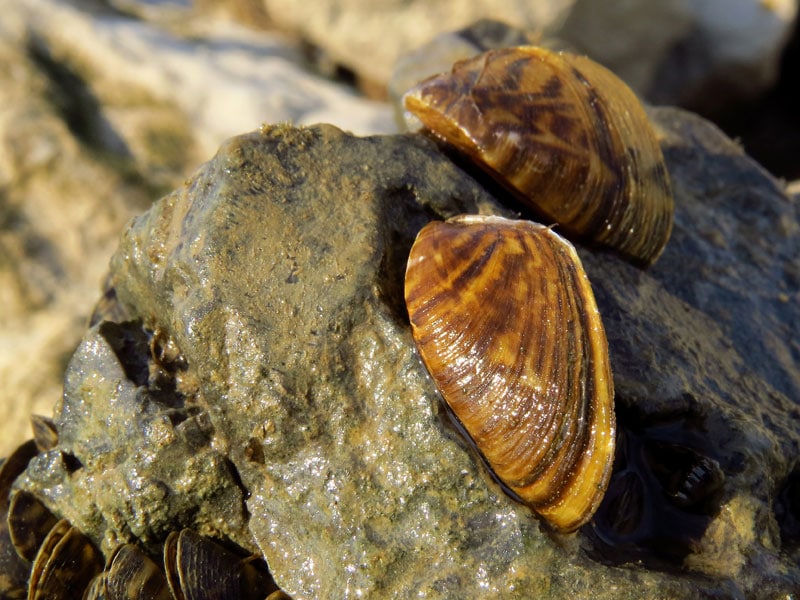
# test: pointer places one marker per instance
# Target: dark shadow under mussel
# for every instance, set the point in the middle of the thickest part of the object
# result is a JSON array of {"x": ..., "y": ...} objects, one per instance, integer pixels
[{"x": 665, "y": 488}]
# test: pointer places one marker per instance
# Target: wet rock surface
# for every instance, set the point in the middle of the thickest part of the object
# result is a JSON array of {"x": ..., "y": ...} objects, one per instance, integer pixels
[
  {"x": 101, "y": 113},
  {"x": 260, "y": 384},
  {"x": 134, "y": 458}
]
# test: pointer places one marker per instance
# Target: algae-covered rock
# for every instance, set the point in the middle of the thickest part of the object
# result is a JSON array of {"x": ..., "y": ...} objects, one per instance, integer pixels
[{"x": 263, "y": 305}]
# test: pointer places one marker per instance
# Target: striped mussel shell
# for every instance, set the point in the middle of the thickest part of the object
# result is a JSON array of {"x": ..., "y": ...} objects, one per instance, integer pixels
[
  {"x": 14, "y": 569},
  {"x": 564, "y": 135},
  {"x": 29, "y": 523},
  {"x": 65, "y": 564},
  {"x": 131, "y": 575},
  {"x": 505, "y": 321},
  {"x": 198, "y": 568}
]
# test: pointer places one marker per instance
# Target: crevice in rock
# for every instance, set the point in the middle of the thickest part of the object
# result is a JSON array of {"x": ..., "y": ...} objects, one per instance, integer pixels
[
  {"x": 151, "y": 361},
  {"x": 131, "y": 346},
  {"x": 400, "y": 209},
  {"x": 666, "y": 486},
  {"x": 787, "y": 511},
  {"x": 71, "y": 462}
]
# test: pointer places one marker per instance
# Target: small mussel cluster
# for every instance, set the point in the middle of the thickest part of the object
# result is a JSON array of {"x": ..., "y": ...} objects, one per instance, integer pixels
[
  {"x": 44, "y": 557},
  {"x": 502, "y": 313}
]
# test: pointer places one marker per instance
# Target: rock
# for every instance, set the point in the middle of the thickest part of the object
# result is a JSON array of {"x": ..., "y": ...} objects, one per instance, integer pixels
[
  {"x": 218, "y": 79},
  {"x": 61, "y": 212},
  {"x": 710, "y": 56},
  {"x": 100, "y": 114},
  {"x": 138, "y": 456},
  {"x": 264, "y": 300},
  {"x": 707, "y": 55},
  {"x": 369, "y": 42}
]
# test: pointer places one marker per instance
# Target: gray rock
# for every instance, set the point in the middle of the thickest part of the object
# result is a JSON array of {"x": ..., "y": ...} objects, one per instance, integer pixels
[
  {"x": 367, "y": 41},
  {"x": 133, "y": 462},
  {"x": 708, "y": 55},
  {"x": 100, "y": 114},
  {"x": 265, "y": 303},
  {"x": 63, "y": 204}
]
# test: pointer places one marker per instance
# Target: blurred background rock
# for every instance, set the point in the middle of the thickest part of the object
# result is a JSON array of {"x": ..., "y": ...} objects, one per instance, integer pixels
[{"x": 105, "y": 106}]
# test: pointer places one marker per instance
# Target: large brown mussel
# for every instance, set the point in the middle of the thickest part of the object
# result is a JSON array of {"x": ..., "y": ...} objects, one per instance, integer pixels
[
  {"x": 564, "y": 135},
  {"x": 505, "y": 321}
]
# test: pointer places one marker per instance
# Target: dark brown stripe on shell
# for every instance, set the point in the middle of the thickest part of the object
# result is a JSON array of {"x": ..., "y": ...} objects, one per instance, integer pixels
[{"x": 564, "y": 135}]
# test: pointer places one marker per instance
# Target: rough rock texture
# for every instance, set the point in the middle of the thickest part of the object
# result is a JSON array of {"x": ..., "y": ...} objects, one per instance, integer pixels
[
  {"x": 100, "y": 114},
  {"x": 263, "y": 329}
]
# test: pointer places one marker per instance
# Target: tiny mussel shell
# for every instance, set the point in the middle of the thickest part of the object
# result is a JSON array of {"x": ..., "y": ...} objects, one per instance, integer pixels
[
  {"x": 564, "y": 135},
  {"x": 505, "y": 321}
]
